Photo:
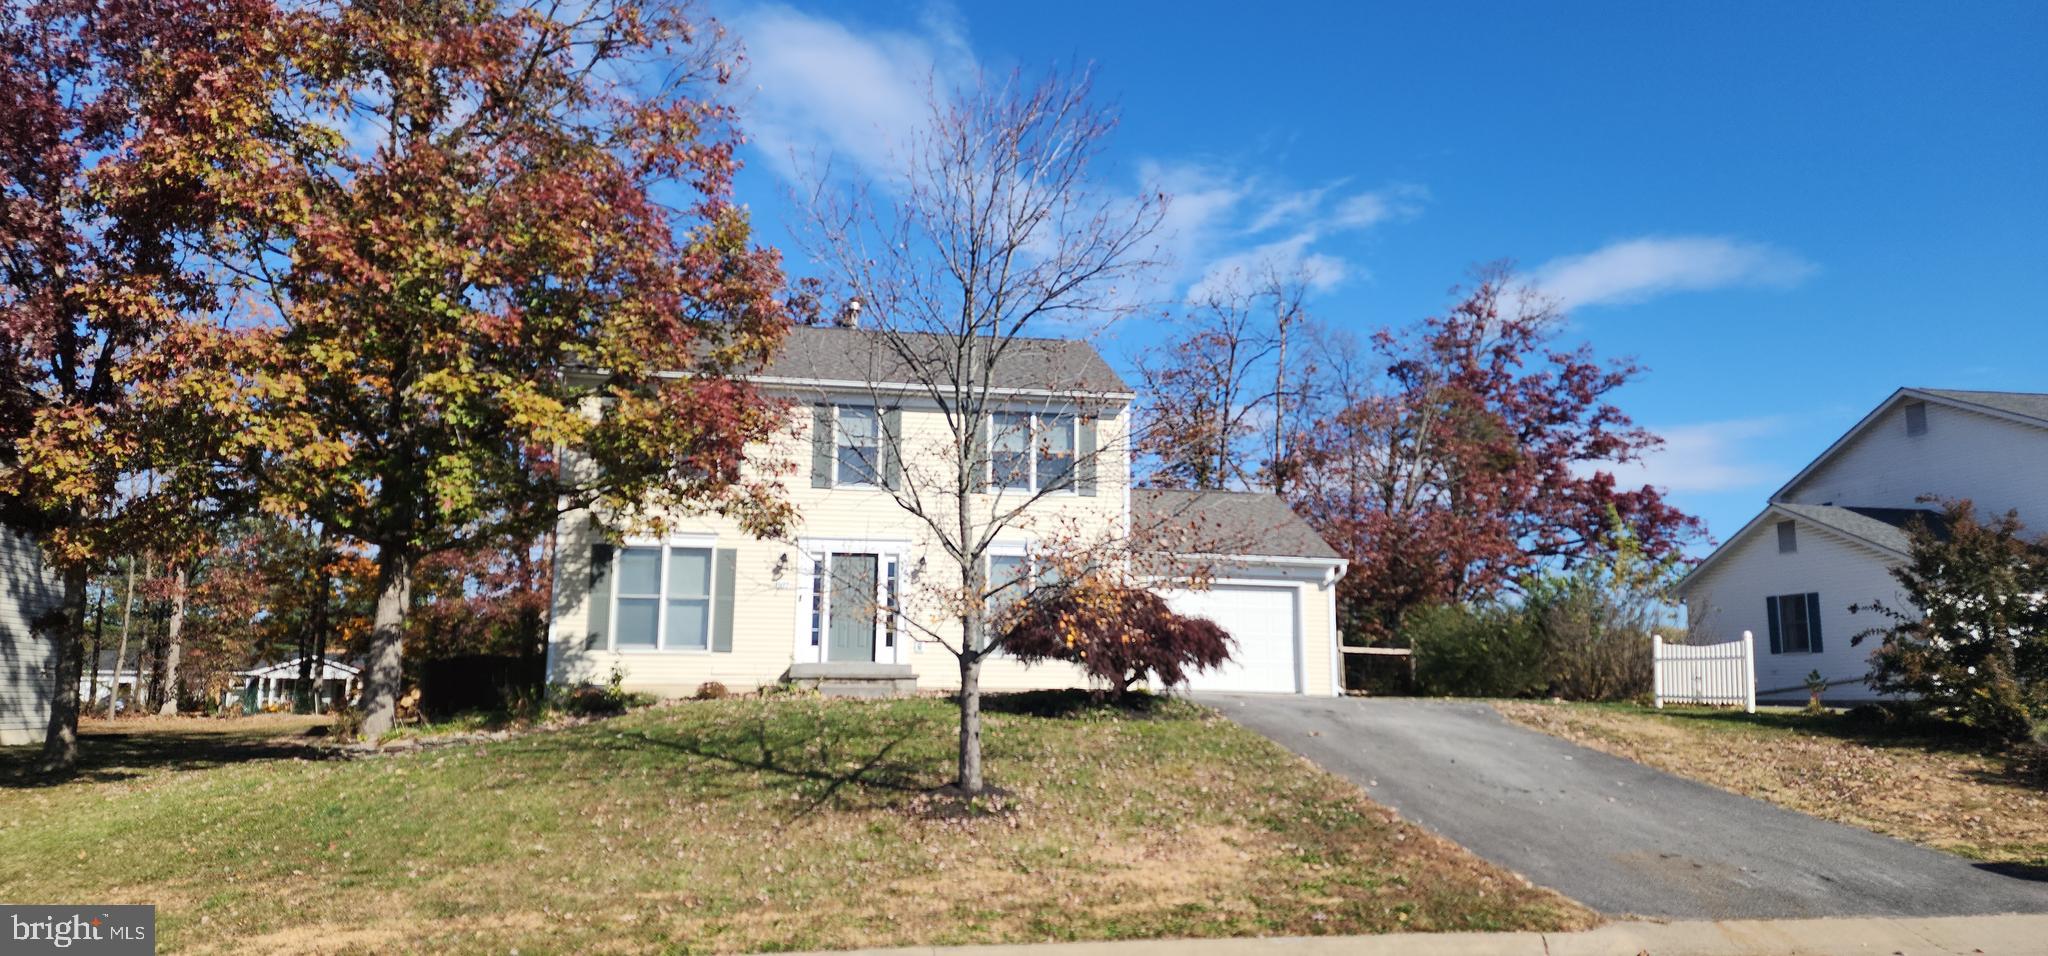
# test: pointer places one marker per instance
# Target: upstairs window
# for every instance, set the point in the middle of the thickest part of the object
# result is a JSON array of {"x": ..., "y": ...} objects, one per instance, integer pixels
[
  {"x": 1033, "y": 452},
  {"x": 1788, "y": 537},
  {"x": 858, "y": 451},
  {"x": 1055, "y": 452},
  {"x": 1009, "y": 455}
]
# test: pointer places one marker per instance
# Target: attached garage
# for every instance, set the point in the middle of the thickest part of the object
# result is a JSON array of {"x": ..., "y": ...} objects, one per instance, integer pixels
[
  {"x": 1272, "y": 585},
  {"x": 1266, "y": 622}
]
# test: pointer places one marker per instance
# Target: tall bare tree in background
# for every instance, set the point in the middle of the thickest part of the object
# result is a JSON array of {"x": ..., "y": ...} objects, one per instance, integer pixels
[
  {"x": 985, "y": 228},
  {"x": 1217, "y": 396}
]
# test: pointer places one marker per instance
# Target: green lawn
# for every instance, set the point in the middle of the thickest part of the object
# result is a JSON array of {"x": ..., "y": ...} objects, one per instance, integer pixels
[
  {"x": 1923, "y": 782},
  {"x": 751, "y": 824}
]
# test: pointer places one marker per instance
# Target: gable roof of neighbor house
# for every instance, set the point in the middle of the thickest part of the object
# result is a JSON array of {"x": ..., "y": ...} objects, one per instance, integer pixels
[
  {"x": 1880, "y": 528},
  {"x": 831, "y": 355},
  {"x": 2032, "y": 405},
  {"x": 2027, "y": 408},
  {"x": 1249, "y": 523}
]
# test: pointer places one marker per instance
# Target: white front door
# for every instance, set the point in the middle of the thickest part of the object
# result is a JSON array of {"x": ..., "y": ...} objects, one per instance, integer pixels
[{"x": 1262, "y": 620}]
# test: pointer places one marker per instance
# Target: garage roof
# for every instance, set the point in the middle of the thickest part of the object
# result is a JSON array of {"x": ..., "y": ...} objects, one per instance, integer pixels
[{"x": 1230, "y": 522}]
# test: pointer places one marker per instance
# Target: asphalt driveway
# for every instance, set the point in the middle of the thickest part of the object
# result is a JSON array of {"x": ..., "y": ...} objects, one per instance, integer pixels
[{"x": 1615, "y": 835}]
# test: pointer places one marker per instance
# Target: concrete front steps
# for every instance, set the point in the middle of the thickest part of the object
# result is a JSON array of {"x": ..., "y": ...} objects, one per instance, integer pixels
[{"x": 855, "y": 679}]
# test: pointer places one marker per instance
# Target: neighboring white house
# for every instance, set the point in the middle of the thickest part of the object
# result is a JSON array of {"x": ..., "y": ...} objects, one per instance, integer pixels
[
  {"x": 1828, "y": 539},
  {"x": 710, "y": 602},
  {"x": 267, "y": 685},
  {"x": 29, "y": 588}
]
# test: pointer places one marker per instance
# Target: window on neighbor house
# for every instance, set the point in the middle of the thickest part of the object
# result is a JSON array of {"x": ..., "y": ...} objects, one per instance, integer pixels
[
  {"x": 1916, "y": 418},
  {"x": 663, "y": 599},
  {"x": 858, "y": 446},
  {"x": 1788, "y": 537},
  {"x": 1796, "y": 627}
]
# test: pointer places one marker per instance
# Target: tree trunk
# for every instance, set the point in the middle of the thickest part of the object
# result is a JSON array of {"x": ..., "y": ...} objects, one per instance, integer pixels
[
  {"x": 174, "y": 645},
  {"x": 60, "y": 740},
  {"x": 533, "y": 641},
  {"x": 149, "y": 681},
  {"x": 313, "y": 660},
  {"x": 387, "y": 644},
  {"x": 99, "y": 634},
  {"x": 121, "y": 655},
  {"x": 1280, "y": 412},
  {"x": 970, "y": 781}
]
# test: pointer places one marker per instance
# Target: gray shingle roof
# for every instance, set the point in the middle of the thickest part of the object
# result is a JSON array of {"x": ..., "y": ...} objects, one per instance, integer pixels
[
  {"x": 2030, "y": 404},
  {"x": 1233, "y": 522},
  {"x": 860, "y": 355},
  {"x": 1884, "y": 527}
]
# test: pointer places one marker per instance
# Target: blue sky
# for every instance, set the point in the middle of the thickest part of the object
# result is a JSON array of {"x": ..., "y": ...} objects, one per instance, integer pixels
[{"x": 1782, "y": 210}]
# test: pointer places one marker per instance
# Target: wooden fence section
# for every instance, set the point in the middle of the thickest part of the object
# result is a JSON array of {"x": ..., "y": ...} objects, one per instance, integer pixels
[{"x": 1716, "y": 674}]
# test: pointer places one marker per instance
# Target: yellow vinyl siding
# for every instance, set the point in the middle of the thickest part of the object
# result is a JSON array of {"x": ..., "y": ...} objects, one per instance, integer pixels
[{"x": 766, "y": 609}]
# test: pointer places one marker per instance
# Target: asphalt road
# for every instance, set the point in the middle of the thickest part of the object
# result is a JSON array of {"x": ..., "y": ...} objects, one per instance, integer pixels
[{"x": 1613, "y": 834}]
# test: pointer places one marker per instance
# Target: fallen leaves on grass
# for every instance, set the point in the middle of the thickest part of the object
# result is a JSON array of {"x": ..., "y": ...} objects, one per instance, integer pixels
[{"x": 1976, "y": 804}]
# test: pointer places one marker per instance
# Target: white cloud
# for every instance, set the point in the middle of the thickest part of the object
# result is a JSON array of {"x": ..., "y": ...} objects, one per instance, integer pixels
[
  {"x": 819, "y": 86},
  {"x": 1223, "y": 219},
  {"x": 822, "y": 90},
  {"x": 1633, "y": 270},
  {"x": 1398, "y": 201},
  {"x": 1706, "y": 456},
  {"x": 1289, "y": 256}
]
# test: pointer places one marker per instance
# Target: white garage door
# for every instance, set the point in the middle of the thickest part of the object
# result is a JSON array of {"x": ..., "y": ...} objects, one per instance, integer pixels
[{"x": 1262, "y": 621}]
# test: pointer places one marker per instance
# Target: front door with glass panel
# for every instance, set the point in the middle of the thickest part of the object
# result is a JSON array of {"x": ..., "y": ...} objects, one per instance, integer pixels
[{"x": 853, "y": 589}]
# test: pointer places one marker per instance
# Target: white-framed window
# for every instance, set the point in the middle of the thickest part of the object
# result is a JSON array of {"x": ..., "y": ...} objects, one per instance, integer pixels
[
  {"x": 662, "y": 599},
  {"x": 1009, "y": 579},
  {"x": 1033, "y": 450},
  {"x": 857, "y": 447}
]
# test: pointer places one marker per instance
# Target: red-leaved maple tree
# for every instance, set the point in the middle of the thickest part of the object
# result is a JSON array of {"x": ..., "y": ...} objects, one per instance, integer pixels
[{"x": 1470, "y": 453}]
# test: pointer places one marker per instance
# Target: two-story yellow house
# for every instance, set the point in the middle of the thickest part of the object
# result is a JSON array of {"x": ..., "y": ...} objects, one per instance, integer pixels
[{"x": 856, "y": 592}]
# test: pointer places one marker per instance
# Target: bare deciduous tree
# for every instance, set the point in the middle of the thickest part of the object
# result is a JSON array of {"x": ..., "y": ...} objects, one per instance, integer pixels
[
  {"x": 986, "y": 229},
  {"x": 1212, "y": 392}
]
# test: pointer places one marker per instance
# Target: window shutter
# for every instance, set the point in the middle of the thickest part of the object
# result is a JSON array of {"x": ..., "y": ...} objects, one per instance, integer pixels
[
  {"x": 892, "y": 459},
  {"x": 1771, "y": 609},
  {"x": 821, "y": 446},
  {"x": 725, "y": 565},
  {"x": 1084, "y": 453},
  {"x": 1813, "y": 621},
  {"x": 599, "y": 598},
  {"x": 979, "y": 480}
]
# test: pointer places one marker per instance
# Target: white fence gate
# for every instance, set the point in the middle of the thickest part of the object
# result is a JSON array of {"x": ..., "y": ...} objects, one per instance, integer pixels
[{"x": 1723, "y": 674}]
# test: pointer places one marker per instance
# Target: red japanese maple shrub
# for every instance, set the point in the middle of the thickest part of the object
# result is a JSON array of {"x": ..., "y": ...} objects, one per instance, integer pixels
[{"x": 1120, "y": 635}]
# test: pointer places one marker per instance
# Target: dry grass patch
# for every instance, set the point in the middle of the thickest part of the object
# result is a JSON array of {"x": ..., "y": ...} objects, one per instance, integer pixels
[
  {"x": 1919, "y": 784},
  {"x": 749, "y": 825}
]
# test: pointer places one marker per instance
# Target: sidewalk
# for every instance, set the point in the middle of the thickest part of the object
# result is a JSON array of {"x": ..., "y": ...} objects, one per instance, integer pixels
[{"x": 1937, "y": 936}]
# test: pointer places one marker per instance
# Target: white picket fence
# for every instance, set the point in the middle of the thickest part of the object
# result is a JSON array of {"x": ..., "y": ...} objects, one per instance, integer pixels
[{"x": 1716, "y": 674}]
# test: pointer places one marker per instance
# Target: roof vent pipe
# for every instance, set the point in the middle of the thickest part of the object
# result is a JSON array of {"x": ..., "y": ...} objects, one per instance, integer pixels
[{"x": 849, "y": 317}]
